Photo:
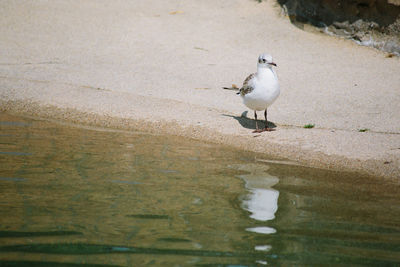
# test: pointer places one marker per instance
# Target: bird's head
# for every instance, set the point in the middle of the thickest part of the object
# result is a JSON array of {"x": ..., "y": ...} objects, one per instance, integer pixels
[{"x": 265, "y": 60}]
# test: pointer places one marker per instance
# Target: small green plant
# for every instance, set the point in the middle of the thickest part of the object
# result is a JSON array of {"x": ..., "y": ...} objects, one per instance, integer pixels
[
  {"x": 363, "y": 130},
  {"x": 309, "y": 126}
]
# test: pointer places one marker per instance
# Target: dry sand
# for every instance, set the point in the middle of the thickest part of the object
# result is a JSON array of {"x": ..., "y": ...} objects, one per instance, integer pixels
[{"x": 159, "y": 66}]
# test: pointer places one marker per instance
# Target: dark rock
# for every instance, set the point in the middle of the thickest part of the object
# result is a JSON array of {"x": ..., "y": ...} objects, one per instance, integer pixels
[{"x": 369, "y": 22}]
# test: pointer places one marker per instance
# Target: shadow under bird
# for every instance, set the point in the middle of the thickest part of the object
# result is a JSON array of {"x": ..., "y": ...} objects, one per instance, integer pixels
[{"x": 260, "y": 89}]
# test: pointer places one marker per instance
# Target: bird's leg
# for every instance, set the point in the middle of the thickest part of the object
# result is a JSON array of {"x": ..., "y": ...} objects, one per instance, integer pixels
[
  {"x": 255, "y": 117},
  {"x": 266, "y": 123}
]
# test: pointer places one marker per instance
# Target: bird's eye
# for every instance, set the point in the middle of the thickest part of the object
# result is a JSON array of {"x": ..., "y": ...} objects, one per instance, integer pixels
[{"x": 264, "y": 60}]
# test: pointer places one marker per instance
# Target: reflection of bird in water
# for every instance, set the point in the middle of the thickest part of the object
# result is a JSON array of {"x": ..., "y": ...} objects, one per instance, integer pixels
[
  {"x": 262, "y": 201},
  {"x": 260, "y": 89}
]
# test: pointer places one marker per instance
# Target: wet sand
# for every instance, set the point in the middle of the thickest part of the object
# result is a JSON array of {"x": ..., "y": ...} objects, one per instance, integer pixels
[{"x": 160, "y": 67}]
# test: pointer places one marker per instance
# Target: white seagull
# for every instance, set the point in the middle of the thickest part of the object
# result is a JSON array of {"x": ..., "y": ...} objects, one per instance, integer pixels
[{"x": 261, "y": 89}]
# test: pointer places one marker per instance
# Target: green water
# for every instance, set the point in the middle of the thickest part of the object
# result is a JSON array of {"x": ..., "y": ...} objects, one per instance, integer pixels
[{"x": 82, "y": 197}]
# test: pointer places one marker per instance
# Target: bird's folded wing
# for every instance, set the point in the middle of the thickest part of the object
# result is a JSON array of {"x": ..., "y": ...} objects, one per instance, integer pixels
[
  {"x": 247, "y": 85},
  {"x": 246, "y": 88}
]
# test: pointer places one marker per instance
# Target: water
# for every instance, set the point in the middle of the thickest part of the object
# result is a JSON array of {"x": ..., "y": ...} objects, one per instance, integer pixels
[{"x": 90, "y": 197}]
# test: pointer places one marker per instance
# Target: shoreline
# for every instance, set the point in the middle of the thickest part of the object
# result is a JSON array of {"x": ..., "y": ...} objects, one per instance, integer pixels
[{"x": 379, "y": 167}]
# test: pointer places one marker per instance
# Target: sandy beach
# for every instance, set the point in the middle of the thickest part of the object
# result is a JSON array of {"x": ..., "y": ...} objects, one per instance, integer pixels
[{"x": 160, "y": 66}]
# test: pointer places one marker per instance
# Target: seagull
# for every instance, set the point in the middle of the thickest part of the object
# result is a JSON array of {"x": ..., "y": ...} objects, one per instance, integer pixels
[{"x": 260, "y": 89}]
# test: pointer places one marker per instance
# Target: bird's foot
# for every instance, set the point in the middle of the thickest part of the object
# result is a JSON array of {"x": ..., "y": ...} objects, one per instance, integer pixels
[
  {"x": 268, "y": 129},
  {"x": 264, "y": 130}
]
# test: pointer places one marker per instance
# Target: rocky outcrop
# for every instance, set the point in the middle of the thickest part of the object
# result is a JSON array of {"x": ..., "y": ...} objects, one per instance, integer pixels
[{"x": 369, "y": 22}]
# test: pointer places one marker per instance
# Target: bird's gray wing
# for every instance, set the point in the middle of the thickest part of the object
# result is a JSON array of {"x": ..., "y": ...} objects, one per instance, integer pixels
[{"x": 246, "y": 88}]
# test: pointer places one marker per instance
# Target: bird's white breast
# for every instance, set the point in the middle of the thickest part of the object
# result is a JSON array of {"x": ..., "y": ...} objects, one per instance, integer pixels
[{"x": 266, "y": 90}]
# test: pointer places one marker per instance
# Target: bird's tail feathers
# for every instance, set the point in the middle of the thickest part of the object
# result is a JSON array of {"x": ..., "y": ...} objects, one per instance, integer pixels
[{"x": 234, "y": 88}]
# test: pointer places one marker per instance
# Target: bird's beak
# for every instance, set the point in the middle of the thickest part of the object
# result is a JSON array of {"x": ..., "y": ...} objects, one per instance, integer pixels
[{"x": 273, "y": 64}]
